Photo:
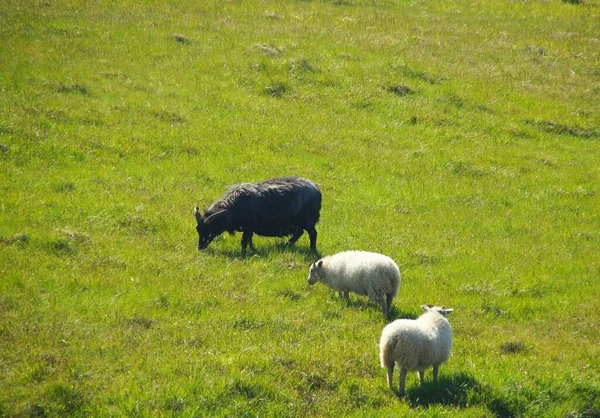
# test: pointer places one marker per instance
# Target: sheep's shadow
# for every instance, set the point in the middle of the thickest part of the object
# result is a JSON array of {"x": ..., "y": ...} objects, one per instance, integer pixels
[
  {"x": 362, "y": 303},
  {"x": 458, "y": 390},
  {"x": 265, "y": 250},
  {"x": 396, "y": 313}
]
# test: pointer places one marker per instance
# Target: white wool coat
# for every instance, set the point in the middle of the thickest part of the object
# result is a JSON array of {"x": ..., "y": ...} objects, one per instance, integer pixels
[
  {"x": 362, "y": 272},
  {"x": 416, "y": 344}
]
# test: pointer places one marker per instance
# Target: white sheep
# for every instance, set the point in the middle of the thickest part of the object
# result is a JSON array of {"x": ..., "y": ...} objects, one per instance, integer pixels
[
  {"x": 369, "y": 274},
  {"x": 416, "y": 344}
]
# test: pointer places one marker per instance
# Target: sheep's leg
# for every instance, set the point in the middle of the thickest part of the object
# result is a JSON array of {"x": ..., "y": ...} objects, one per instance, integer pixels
[
  {"x": 403, "y": 373},
  {"x": 312, "y": 234},
  {"x": 247, "y": 240},
  {"x": 295, "y": 237},
  {"x": 422, "y": 376},
  {"x": 381, "y": 300},
  {"x": 436, "y": 370},
  {"x": 389, "y": 297},
  {"x": 390, "y": 377}
]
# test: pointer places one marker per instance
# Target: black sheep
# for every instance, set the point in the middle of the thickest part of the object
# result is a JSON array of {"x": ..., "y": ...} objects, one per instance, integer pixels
[{"x": 274, "y": 208}]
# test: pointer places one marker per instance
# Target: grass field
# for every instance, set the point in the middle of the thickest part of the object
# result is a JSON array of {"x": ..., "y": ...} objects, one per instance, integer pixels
[{"x": 460, "y": 138}]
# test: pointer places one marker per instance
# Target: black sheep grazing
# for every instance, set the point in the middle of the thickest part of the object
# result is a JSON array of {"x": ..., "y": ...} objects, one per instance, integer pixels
[{"x": 274, "y": 208}]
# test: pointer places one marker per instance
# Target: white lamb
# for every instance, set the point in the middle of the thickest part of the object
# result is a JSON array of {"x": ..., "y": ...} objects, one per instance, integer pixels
[
  {"x": 369, "y": 274},
  {"x": 416, "y": 344}
]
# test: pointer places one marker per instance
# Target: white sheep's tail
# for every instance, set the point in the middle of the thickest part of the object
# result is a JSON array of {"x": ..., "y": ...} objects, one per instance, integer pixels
[
  {"x": 396, "y": 283},
  {"x": 386, "y": 347},
  {"x": 395, "y": 279}
]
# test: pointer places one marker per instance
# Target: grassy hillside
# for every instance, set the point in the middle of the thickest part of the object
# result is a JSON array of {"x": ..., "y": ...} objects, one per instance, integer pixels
[{"x": 460, "y": 138}]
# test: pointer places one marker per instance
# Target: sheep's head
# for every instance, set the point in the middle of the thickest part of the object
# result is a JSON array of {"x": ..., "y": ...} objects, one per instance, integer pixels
[
  {"x": 209, "y": 227},
  {"x": 316, "y": 272},
  {"x": 439, "y": 309}
]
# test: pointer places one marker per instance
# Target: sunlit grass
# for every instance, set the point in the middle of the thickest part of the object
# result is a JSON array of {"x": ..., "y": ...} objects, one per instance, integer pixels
[{"x": 461, "y": 139}]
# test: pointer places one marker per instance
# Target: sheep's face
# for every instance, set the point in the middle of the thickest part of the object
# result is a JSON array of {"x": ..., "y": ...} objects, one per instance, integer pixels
[
  {"x": 205, "y": 235},
  {"x": 208, "y": 228},
  {"x": 316, "y": 272},
  {"x": 439, "y": 309}
]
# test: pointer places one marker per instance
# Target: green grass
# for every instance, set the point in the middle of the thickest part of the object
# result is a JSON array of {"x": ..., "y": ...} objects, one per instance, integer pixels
[{"x": 460, "y": 138}]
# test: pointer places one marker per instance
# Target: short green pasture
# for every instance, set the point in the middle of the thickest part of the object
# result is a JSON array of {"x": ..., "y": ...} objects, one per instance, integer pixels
[{"x": 461, "y": 138}]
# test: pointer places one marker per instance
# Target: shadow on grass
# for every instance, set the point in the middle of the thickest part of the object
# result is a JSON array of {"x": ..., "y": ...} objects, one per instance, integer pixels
[
  {"x": 396, "y": 313},
  {"x": 461, "y": 390},
  {"x": 266, "y": 250},
  {"x": 362, "y": 303}
]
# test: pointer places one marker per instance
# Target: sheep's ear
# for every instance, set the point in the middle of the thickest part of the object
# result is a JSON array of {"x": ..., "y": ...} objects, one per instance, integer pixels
[
  {"x": 197, "y": 214},
  {"x": 448, "y": 310},
  {"x": 319, "y": 263},
  {"x": 426, "y": 307}
]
